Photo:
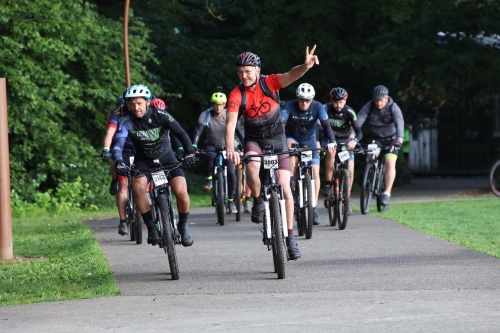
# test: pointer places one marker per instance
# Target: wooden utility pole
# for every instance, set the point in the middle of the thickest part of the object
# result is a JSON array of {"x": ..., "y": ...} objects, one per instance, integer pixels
[
  {"x": 6, "y": 252},
  {"x": 125, "y": 43}
]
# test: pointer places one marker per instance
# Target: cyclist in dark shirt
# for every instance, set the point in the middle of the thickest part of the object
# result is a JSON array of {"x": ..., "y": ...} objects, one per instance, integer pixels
[
  {"x": 387, "y": 129},
  {"x": 148, "y": 127},
  {"x": 344, "y": 123},
  {"x": 301, "y": 116},
  {"x": 263, "y": 127}
]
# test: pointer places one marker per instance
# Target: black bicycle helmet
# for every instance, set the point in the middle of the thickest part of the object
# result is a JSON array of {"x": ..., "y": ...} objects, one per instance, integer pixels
[
  {"x": 338, "y": 94},
  {"x": 380, "y": 92},
  {"x": 248, "y": 59}
]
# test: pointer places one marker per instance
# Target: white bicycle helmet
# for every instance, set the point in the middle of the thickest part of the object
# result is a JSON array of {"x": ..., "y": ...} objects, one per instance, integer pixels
[
  {"x": 139, "y": 90},
  {"x": 305, "y": 91}
]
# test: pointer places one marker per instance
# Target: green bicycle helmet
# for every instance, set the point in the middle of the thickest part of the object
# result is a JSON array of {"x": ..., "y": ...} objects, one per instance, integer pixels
[{"x": 219, "y": 97}]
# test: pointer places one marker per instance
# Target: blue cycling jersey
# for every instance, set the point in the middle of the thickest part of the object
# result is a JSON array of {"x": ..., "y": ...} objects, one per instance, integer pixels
[{"x": 301, "y": 124}]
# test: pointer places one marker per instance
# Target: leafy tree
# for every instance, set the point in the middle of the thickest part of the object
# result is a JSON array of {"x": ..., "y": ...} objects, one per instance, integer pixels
[{"x": 64, "y": 68}]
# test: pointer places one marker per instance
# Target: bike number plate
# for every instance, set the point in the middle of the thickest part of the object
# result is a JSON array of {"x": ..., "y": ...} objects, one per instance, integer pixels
[
  {"x": 307, "y": 156},
  {"x": 372, "y": 148},
  {"x": 159, "y": 178},
  {"x": 344, "y": 156},
  {"x": 271, "y": 162}
]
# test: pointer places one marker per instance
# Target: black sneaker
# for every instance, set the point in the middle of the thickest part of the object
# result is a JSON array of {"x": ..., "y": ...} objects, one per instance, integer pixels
[
  {"x": 123, "y": 228},
  {"x": 258, "y": 212},
  {"x": 327, "y": 189},
  {"x": 153, "y": 236},
  {"x": 113, "y": 187},
  {"x": 293, "y": 249},
  {"x": 186, "y": 236},
  {"x": 316, "y": 218}
]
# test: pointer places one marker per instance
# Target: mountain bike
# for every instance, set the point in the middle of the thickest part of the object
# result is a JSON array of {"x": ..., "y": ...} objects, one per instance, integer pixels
[
  {"x": 303, "y": 190},
  {"x": 275, "y": 227},
  {"x": 495, "y": 179},
  {"x": 162, "y": 208},
  {"x": 373, "y": 183},
  {"x": 337, "y": 201}
]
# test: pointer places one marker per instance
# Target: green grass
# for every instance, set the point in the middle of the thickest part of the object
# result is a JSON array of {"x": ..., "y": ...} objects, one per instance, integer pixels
[
  {"x": 471, "y": 223},
  {"x": 58, "y": 259}
]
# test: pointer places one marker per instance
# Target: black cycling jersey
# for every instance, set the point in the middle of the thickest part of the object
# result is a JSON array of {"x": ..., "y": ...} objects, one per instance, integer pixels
[{"x": 343, "y": 122}]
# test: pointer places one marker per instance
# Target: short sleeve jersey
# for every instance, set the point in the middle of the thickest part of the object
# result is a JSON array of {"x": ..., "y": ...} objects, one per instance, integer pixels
[
  {"x": 300, "y": 125},
  {"x": 216, "y": 127},
  {"x": 262, "y": 113}
]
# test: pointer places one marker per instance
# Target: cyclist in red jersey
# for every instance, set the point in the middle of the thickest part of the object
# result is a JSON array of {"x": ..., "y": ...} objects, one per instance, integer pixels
[{"x": 263, "y": 127}]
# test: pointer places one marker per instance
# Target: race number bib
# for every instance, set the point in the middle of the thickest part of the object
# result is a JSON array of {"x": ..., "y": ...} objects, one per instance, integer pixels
[
  {"x": 159, "y": 178},
  {"x": 344, "y": 156},
  {"x": 271, "y": 162},
  {"x": 307, "y": 156},
  {"x": 372, "y": 148}
]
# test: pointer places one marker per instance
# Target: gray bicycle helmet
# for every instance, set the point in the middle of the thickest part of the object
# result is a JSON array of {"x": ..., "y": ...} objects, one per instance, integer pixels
[
  {"x": 248, "y": 59},
  {"x": 380, "y": 92},
  {"x": 338, "y": 94}
]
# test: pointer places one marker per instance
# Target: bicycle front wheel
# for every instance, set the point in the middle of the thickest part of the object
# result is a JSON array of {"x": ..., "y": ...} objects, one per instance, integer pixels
[
  {"x": 331, "y": 202},
  {"x": 221, "y": 208},
  {"x": 167, "y": 235},
  {"x": 342, "y": 206},
  {"x": 278, "y": 244},
  {"x": 495, "y": 179},
  {"x": 381, "y": 189},
  {"x": 366, "y": 188},
  {"x": 308, "y": 205}
]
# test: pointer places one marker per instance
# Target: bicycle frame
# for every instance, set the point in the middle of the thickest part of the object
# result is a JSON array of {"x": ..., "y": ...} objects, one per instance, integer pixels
[
  {"x": 304, "y": 166},
  {"x": 219, "y": 165}
]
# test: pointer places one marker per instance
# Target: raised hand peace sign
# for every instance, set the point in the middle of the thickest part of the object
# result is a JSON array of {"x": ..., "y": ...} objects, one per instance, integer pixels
[{"x": 310, "y": 59}]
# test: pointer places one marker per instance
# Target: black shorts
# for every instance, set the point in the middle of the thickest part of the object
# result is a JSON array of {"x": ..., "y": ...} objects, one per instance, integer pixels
[
  {"x": 385, "y": 143},
  {"x": 168, "y": 159},
  {"x": 279, "y": 143}
]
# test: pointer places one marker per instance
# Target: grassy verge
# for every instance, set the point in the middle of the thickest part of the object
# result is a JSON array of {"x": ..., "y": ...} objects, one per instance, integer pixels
[
  {"x": 471, "y": 223},
  {"x": 57, "y": 258}
]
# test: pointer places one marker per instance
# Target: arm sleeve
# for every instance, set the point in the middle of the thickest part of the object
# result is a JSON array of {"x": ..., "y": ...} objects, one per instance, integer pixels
[
  {"x": 197, "y": 133},
  {"x": 327, "y": 129},
  {"x": 239, "y": 133},
  {"x": 176, "y": 144},
  {"x": 398, "y": 121},
  {"x": 119, "y": 139}
]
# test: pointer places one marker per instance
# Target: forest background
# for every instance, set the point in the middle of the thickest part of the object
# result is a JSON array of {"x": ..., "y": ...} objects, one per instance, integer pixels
[{"x": 63, "y": 60}]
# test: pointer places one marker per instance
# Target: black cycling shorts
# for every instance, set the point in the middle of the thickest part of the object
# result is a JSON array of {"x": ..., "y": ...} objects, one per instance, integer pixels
[
  {"x": 279, "y": 143},
  {"x": 167, "y": 160}
]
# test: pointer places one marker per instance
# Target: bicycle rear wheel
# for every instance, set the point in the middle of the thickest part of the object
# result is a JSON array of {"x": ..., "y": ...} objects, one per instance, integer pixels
[
  {"x": 381, "y": 189},
  {"x": 366, "y": 188},
  {"x": 495, "y": 179},
  {"x": 308, "y": 205},
  {"x": 238, "y": 191},
  {"x": 221, "y": 208},
  {"x": 167, "y": 236},
  {"x": 342, "y": 206},
  {"x": 278, "y": 244}
]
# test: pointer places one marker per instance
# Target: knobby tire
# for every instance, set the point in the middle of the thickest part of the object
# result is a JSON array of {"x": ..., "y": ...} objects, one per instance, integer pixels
[
  {"x": 342, "y": 207},
  {"x": 308, "y": 205},
  {"x": 380, "y": 190},
  {"x": 138, "y": 226},
  {"x": 278, "y": 245},
  {"x": 168, "y": 235},
  {"x": 366, "y": 191},
  {"x": 221, "y": 208},
  {"x": 331, "y": 202}
]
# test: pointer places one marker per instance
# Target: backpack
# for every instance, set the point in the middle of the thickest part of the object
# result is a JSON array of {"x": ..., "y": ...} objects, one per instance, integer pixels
[
  {"x": 208, "y": 113},
  {"x": 265, "y": 90}
]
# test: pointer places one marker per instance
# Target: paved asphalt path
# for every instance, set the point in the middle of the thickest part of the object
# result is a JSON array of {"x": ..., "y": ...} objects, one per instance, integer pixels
[{"x": 375, "y": 276}]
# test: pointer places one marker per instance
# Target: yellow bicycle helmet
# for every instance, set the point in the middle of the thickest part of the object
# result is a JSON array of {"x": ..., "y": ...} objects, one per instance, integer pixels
[{"x": 219, "y": 97}]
